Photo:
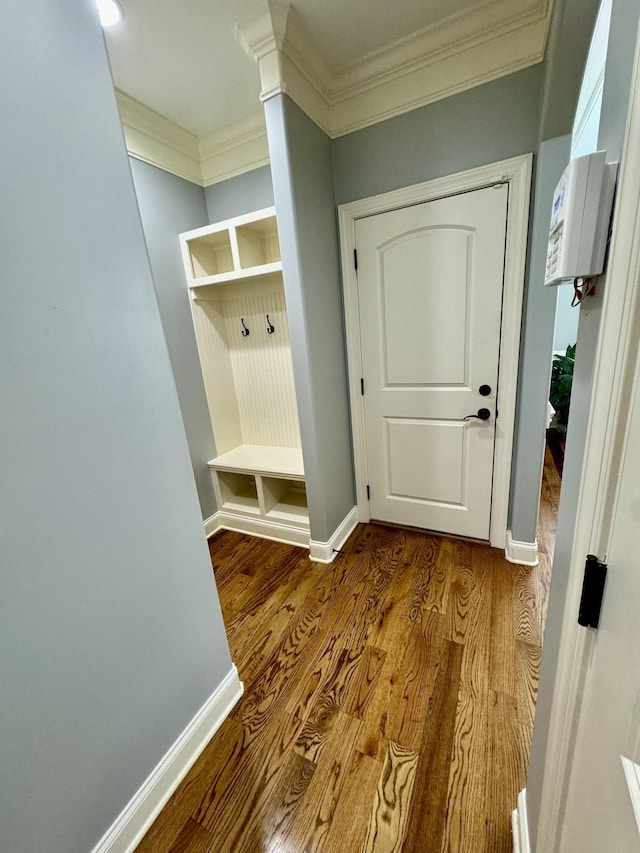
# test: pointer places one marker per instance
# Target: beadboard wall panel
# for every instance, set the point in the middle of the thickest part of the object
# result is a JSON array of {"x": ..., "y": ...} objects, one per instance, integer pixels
[
  {"x": 262, "y": 369},
  {"x": 248, "y": 379},
  {"x": 217, "y": 374}
]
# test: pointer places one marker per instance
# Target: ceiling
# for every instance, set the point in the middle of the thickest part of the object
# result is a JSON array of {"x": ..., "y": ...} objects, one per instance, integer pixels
[{"x": 181, "y": 57}]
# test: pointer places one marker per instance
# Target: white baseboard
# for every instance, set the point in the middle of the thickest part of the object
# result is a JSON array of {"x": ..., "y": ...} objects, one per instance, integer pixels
[
  {"x": 257, "y": 527},
  {"x": 520, "y": 825},
  {"x": 632, "y": 775},
  {"x": 325, "y": 552},
  {"x": 212, "y": 525},
  {"x": 522, "y": 553},
  {"x": 515, "y": 831},
  {"x": 128, "y": 829}
]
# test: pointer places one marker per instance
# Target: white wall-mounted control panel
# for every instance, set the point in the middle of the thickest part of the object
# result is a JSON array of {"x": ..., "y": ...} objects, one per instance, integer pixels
[{"x": 580, "y": 217}]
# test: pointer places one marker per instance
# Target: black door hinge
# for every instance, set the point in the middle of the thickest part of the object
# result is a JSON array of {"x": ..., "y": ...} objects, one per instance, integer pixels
[
  {"x": 362, "y": 386},
  {"x": 355, "y": 259},
  {"x": 368, "y": 493},
  {"x": 595, "y": 575}
]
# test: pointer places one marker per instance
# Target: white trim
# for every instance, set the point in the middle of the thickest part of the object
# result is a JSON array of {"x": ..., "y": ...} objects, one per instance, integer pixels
[
  {"x": 517, "y": 173},
  {"x": 522, "y": 553},
  {"x": 433, "y": 77},
  {"x": 261, "y": 527},
  {"x": 325, "y": 552},
  {"x": 608, "y": 422},
  {"x": 449, "y": 37},
  {"x": 580, "y": 122},
  {"x": 212, "y": 525},
  {"x": 134, "y": 820},
  {"x": 238, "y": 148},
  {"x": 154, "y": 139},
  {"x": 456, "y": 53},
  {"x": 632, "y": 776},
  {"x": 515, "y": 831},
  {"x": 440, "y": 60},
  {"x": 520, "y": 825},
  {"x": 287, "y": 61}
]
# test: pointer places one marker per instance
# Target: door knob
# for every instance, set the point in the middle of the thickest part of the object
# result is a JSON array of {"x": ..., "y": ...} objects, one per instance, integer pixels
[{"x": 482, "y": 414}]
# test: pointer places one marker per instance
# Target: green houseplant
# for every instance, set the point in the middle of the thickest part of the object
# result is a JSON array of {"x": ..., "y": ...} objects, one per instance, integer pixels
[{"x": 561, "y": 382}]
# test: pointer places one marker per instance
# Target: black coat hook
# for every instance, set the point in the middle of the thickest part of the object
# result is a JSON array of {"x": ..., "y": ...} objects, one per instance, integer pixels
[
  {"x": 245, "y": 331},
  {"x": 270, "y": 327}
]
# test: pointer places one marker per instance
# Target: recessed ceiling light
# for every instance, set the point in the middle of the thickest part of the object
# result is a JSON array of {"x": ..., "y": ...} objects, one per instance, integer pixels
[{"x": 110, "y": 12}]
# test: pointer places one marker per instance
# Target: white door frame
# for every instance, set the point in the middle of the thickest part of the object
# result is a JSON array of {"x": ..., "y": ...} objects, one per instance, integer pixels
[
  {"x": 616, "y": 364},
  {"x": 517, "y": 173}
]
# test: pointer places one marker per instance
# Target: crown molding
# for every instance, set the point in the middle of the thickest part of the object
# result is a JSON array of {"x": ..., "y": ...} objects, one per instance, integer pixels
[
  {"x": 455, "y": 54},
  {"x": 449, "y": 75},
  {"x": 149, "y": 136},
  {"x": 446, "y": 38},
  {"x": 155, "y": 139},
  {"x": 451, "y": 56},
  {"x": 302, "y": 90},
  {"x": 234, "y": 150},
  {"x": 278, "y": 43}
]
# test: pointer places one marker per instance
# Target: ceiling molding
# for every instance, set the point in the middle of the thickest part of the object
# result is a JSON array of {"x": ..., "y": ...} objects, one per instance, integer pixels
[
  {"x": 238, "y": 148},
  {"x": 155, "y": 139},
  {"x": 278, "y": 43},
  {"x": 450, "y": 75},
  {"x": 455, "y": 54},
  {"x": 451, "y": 56},
  {"x": 302, "y": 90},
  {"x": 258, "y": 37},
  {"x": 447, "y": 38}
]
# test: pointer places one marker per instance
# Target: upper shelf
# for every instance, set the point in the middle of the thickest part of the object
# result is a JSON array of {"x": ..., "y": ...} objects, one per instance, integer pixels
[{"x": 243, "y": 247}]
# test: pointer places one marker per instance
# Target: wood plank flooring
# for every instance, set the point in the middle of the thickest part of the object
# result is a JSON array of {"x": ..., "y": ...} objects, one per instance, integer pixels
[{"x": 389, "y": 697}]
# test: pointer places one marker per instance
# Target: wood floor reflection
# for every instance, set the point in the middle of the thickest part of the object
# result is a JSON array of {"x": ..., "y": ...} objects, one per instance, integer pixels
[{"x": 389, "y": 697}]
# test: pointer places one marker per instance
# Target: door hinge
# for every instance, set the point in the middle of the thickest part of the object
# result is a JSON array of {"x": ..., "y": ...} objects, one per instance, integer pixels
[
  {"x": 355, "y": 259},
  {"x": 368, "y": 493},
  {"x": 362, "y": 386},
  {"x": 595, "y": 575}
]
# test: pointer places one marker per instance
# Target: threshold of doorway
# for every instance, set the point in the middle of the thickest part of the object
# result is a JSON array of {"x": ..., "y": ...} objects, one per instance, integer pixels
[{"x": 438, "y": 533}]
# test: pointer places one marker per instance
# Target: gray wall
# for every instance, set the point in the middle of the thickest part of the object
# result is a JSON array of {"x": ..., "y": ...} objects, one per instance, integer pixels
[
  {"x": 169, "y": 205},
  {"x": 624, "y": 25},
  {"x": 239, "y": 195},
  {"x": 572, "y": 23},
  {"x": 302, "y": 180},
  {"x": 485, "y": 124},
  {"x": 110, "y": 629},
  {"x": 536, "y": 350},
  {"x": 567, "y": 317}
]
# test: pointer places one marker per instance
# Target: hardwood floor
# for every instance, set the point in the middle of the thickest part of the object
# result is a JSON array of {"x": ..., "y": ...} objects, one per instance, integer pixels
[
  {"x": 556, "y": 444},
  {"x": 389, "y": 697}
]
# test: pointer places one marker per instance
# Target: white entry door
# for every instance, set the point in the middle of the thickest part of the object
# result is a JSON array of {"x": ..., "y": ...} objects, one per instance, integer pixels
[{"x": 430, "y": 280}]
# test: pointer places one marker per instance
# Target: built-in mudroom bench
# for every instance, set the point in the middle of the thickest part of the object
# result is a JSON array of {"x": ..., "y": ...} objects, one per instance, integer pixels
[{"x": 234, "y": 275}]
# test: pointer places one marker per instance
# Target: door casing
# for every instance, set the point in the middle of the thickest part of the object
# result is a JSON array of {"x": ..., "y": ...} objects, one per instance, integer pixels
[
  {"x": 616, "y": 366},
  {"x": 517, "y": 173}
]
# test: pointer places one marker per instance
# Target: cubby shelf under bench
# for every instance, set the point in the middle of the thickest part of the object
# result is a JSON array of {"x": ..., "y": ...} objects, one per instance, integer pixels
[{"x": 267, "y": 482}]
